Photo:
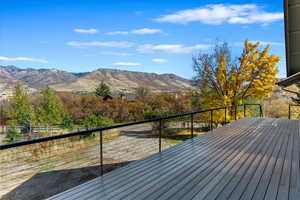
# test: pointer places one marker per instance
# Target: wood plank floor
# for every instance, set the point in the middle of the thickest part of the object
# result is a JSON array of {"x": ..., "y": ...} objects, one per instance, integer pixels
[{"x": 252, "y": 158}]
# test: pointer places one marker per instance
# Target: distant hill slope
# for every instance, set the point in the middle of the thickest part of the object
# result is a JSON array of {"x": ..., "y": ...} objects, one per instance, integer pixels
[{"x": 118, "y": 80}]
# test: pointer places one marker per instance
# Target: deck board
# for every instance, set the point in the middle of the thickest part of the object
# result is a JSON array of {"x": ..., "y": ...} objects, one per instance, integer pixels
[{"x": 252, "y": 158}]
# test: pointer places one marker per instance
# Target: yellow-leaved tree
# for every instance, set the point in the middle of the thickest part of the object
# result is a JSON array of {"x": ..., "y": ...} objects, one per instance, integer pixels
[{"x": 226, "y": 82}]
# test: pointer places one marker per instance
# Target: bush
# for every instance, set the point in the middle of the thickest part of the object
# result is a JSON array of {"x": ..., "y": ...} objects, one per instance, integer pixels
[
  {"x": 12, "y": 134},
  {"x": 94, "y": 121},
  {"x": 67, "y": 122},
  {"x": 158, "y": 114}
]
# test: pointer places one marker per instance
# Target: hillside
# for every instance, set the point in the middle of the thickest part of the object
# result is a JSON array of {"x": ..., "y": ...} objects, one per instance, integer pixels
[{"x": 118, "y": 80}]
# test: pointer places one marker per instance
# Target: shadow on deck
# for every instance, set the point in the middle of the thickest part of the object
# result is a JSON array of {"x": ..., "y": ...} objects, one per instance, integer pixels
[{"x": 46, "y": 184}]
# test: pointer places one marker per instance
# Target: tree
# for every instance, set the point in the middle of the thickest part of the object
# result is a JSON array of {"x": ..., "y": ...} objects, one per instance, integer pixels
[
  {"x": 22, "y": 112},
  {"x": 195, "y": 100},
  {"x": 142, "y": 92},
  {"x": 50, "y": 111},
  {"x": 225, "y": 81},
  {"x": 103, "y": 90},
  {"x": 3, "y": 113},
  {"x": 79, "y": 106}
]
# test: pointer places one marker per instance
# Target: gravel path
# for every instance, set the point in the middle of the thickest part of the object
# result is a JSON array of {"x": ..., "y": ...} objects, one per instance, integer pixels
[{"x": 133, "y": 144}]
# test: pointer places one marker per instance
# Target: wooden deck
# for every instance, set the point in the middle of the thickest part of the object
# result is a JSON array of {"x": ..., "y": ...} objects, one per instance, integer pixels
[{"x": 253, "y": 158}]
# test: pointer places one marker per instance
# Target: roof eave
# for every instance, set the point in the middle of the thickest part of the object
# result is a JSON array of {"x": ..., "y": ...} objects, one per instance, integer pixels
[{"x": 289, "y": 80}]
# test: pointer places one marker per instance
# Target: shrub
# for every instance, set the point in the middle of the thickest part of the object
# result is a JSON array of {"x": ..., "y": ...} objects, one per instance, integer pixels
[
  {"x": 12, "y": 134},
  {"x": 67, "y": 122},
  {"x": 94, "y": 121},
  {"x": 158, "y": 114}
]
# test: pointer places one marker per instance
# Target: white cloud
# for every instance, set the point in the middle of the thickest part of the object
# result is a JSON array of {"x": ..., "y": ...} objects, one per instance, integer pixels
[
  {"x": 87, "y": 31},
  {"x": 126, "y": 64},
  {"x": 100, "y": 44},
  {"x": 171, "y": 48},
  {"x": 142, "y": 31},
  {"x": 112, "y": 53},
  {"x": 117, "y": 33},
  {"x": 146, "y": 31},
  {"x": 159, "y": 60},
  {"x": 2, "y": 58},
  {"x": 220, "y": 13}
]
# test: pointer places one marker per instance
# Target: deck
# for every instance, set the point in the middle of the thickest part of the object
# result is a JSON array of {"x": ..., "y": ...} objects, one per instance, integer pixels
[{"x": 252, "y": 158}]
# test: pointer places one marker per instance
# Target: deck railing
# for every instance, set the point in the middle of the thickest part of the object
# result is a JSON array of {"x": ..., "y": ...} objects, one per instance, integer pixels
[
  {"x": 21, "y": 161},
  {"x": 191, "y": 114}
]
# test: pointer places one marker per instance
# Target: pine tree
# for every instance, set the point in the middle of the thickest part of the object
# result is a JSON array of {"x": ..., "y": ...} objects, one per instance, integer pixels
[{"x": 103, "y": 90}]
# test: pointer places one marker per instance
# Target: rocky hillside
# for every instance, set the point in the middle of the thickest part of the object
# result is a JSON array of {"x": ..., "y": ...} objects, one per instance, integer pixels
[{"x": 118, "y": 80}]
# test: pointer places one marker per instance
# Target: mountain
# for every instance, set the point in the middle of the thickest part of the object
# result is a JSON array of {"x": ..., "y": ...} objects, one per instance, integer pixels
[
  {"x": 36, "y": 78},
  {"x": 118, "y": 80}
]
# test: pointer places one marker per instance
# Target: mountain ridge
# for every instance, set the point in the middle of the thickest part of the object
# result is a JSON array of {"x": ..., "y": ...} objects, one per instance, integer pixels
[{"x": 119, "y": 80}]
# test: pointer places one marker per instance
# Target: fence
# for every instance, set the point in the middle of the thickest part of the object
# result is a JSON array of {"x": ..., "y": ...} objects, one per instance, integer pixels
[
  {"x": 80, "y": 156},
  {"x": 28, "y": 133}
]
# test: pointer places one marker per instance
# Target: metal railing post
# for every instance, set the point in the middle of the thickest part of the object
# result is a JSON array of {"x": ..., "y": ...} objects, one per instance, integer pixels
[
  {"x": 160, "y": 133},
  {"x": 235, "y": 113},
  {"x": 101, "y": 152},
  {"x": 211, "y": 119},
  {"x": 260, "y": 110},
  {"x": 192, "y": 125},
  {"x": 225, "y": 117},
  {"x": 289, "y": 111},
  {"x": 244, "y": 110}
]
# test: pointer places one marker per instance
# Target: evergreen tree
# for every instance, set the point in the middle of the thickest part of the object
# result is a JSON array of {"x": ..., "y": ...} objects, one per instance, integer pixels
[
  {"x": 103, "y": 90},
  {"x": 50, "y": 111}
]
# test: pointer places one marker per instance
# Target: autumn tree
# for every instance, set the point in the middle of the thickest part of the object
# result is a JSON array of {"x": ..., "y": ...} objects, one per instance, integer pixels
[
  {"x": 21, "y": 112},
  {"x": 80, "y": 106},
  {"x": 225, "y": 81},
  {"x": 50, "y": 110},
  {"x": 142, "y": 92},
  {"x": 103, "y": 90},
  {"x": 4, "y": 112}
]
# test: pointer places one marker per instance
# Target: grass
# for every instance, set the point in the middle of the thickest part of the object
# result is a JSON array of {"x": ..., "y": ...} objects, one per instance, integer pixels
[{"x": 176, "y": 136}]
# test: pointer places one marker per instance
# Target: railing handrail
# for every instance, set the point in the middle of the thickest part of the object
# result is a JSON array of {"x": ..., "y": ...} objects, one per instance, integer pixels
[{"x": 55, "y": 137}]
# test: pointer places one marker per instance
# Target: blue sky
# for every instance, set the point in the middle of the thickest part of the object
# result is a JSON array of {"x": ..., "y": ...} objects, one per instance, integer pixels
[{"x": 150, "y": 36}]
